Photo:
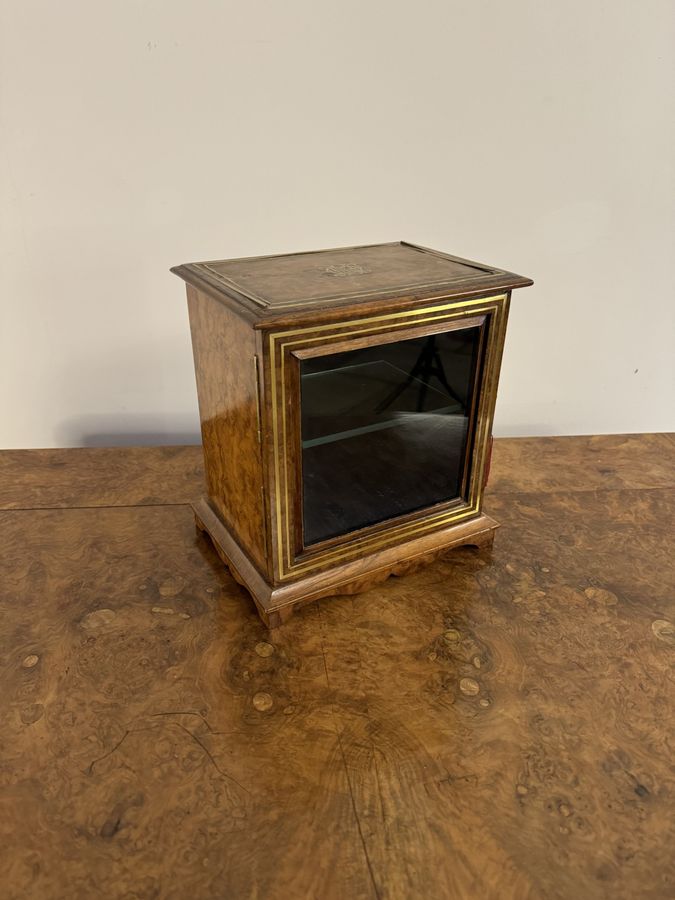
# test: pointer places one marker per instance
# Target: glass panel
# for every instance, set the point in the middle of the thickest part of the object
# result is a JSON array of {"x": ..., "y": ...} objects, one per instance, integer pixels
[{"x": 384, "y": 430}]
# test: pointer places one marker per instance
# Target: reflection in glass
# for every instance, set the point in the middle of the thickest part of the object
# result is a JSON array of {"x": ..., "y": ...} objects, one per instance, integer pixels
[{"x": 385, "y": 430}]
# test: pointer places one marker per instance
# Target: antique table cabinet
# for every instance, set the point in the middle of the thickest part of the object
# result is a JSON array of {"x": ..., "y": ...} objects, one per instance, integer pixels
[{"x": 346, "y": 400}]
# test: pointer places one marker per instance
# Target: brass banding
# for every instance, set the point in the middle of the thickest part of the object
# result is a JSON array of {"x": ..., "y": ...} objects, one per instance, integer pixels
[{"x": 279, "y": 345}]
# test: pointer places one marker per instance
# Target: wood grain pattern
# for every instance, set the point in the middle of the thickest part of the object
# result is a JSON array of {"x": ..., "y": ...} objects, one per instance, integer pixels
[
  {"x": 225, "y": 354},
  {"x": 496, "y": 725},
  {"x": 139, "y": 476},
  {"x": 609, "y": 461},
  {"x": 100, "y": 476},
  {"x": 271, "y": 290}
]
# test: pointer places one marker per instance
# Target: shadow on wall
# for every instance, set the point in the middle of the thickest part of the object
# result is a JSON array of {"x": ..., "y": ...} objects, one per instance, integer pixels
[
  {"x": 126, "y": 431},
  {"x": 149, "y": 431}
]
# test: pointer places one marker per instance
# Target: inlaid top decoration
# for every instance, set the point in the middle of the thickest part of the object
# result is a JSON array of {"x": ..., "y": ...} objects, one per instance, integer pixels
[{"x": 268, "y": 286}]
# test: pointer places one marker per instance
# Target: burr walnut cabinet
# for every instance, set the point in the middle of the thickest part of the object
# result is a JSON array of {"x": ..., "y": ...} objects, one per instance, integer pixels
[{"x": 346, "y": 400}]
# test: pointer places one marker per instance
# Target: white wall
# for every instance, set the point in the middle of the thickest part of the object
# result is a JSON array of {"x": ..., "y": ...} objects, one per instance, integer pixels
[{"x": 537, "y": 135}]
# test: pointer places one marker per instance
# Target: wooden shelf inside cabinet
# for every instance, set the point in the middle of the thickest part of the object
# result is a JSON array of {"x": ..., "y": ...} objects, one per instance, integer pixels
[{"x": 346, "y": 400}]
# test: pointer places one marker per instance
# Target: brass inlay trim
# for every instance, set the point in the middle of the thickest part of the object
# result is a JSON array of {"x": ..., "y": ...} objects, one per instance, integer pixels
[
  {"x": 258, "y": 418},
  {"x": 278, "y": 346}
]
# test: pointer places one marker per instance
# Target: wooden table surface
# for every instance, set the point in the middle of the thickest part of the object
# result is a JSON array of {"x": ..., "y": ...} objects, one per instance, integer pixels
[{"x": 497, "y": 725}]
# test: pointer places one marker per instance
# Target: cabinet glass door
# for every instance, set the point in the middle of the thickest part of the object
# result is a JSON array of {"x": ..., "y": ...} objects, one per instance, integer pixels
[{"x": 385, "y": 430}]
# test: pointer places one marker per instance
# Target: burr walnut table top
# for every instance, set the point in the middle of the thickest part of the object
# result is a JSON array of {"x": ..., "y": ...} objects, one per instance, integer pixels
[{"x": 497, "y": 725}]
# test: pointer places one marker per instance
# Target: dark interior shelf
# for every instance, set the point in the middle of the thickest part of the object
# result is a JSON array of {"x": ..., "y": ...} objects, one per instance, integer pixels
[
  {"x": 349, "y": 401},
  {"x": 384, "y": 430}
]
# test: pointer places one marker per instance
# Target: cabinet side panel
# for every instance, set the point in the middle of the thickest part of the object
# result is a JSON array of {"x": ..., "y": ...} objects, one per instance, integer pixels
[{"x": 224, "y": 352}]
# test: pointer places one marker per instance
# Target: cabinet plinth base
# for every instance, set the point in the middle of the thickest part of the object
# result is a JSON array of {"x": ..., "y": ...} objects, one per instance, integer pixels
[{"x": 276, "y": 603}]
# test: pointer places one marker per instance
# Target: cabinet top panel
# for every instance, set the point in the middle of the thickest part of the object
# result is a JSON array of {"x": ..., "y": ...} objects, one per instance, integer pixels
[{"x": 272, "y": 287}]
